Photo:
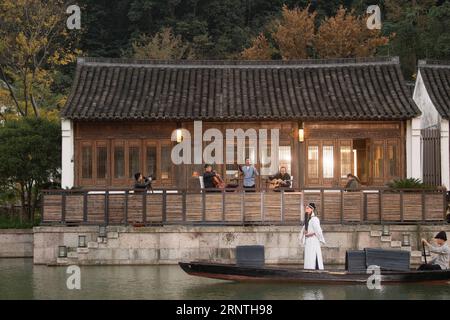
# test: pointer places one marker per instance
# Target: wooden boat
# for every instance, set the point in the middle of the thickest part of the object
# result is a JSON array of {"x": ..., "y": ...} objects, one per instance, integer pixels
[{"x": 285, "y": 274}]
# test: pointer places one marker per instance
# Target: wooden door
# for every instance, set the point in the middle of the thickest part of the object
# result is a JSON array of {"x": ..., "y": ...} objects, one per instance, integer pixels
[
  {"x": 328, "y": 166},
  {"x": 346, "y": 160}
]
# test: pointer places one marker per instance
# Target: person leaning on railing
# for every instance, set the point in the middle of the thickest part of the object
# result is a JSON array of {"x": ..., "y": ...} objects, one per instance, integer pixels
[
  {"x": 353, "y": 183},
  {"x": 141, "y": 182}
]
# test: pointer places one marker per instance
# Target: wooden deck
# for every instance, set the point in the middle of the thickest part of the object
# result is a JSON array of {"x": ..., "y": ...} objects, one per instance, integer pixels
[{"x": 236, "y": 207}]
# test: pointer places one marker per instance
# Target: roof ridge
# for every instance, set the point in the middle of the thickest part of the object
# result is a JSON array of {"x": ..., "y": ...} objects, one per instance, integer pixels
[
  {"x": 434, "y": 63},
  {"x": 126, "y": 62}
]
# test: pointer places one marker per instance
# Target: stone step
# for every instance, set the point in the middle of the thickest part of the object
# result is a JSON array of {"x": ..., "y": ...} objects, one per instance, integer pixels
[
  {"x": 62, "y": 261},
  {"x": 396, "y": 244},
  {"x": 92, "y": 245},
  {"x": 72, "y": 254},
  {"x": 82, "y": 250},
  {"x": 376, "y": 233}
]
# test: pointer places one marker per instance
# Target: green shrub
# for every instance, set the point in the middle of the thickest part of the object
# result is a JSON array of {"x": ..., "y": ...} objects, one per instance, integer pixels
[{"x": 408, "y": 183}]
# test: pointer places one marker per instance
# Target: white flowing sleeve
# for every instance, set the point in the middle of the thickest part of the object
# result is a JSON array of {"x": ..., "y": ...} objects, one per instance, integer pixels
[
  {"x": 315, "y": 224},
  {"x": 301, "y": 237}
]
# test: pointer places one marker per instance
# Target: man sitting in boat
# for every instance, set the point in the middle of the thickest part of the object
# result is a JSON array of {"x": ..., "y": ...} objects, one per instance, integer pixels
[
  {"x": 441, "y": 253},
  {"x": 310, "y": 237}
]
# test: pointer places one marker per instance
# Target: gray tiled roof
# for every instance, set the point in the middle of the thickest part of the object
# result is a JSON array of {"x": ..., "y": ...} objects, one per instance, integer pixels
[
  {"x": 436, "y": 77},
  {"x": 357, "y": 89}
]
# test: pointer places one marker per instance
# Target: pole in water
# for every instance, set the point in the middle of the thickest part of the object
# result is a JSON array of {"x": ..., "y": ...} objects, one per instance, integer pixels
[{"x": 424, "y": 253}]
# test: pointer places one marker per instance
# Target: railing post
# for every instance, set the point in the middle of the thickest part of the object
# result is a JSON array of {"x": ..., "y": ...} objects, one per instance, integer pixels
[
  {"x": 106, "y": 207},
  {"x": 63, "y": 207},
  {"x": 183, "y": 205},
  {"x": 380, "y": 204},
  {"x": 263, "y": 211},
  {"x": 164, "y": 207},
  {"x": 322, "y": 203},
  {"x": 444, "y": 192},
  {"x": 243, "y": 206},
  {"x": 126, "y": 207},
  {"x": 365, "y": 213},
  {"x": 282, "y": 207},
  {"x": 85, "y": 207},
  {"x": 401, "y": 205},
  {"x": 342, "y": 206},
  {"x": 144, "y": 207},
  {"x": 423, "y": 206},
  {"x": 203, "y": 205},
  {"x": 223, "y": 205}
]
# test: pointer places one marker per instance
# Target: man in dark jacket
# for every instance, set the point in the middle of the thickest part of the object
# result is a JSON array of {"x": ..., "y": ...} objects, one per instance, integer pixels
[
  {"x": 208, "y": 176},
  {"x": 141, "y": 182}
]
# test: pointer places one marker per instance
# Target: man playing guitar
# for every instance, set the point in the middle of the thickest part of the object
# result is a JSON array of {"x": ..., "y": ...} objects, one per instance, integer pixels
[{"x": 281, "y": 180}]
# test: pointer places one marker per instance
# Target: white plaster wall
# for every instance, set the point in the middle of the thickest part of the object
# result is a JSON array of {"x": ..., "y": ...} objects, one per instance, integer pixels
[
  {"x": 445, "y": 166},
  {"x": 67, "y": 160},
  {"x": 430, "y": 116},
  {"x": 413, "y": 149}
]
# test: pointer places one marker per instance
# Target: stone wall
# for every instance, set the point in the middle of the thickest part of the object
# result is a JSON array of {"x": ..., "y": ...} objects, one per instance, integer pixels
[
  {"x": 16, "y": 243},
  {"x": 171, "y": 244}
]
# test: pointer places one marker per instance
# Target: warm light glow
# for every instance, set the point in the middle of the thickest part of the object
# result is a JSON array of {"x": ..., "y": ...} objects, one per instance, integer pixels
[
  {"x": 328, "y": 162},
  {"x": 355, "y": 162},
  {"x": 301, "y": 135},
  {"x": 179, "y": 136}
]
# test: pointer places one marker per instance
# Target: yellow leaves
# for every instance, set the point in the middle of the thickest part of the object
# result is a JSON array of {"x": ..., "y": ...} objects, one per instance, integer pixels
[
  {"x": 346, "y": 35},
  {"x": 163, "y": 45},
  {"x": 294, "y": 33},
  {"x": 342, "y": 36},
  {"x": 260, "y": 49}
]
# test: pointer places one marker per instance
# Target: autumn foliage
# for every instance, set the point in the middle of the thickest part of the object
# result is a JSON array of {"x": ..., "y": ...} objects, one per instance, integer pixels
[
  {"x": 346, "y": 35},
  {"x": 295, "y": 37}
]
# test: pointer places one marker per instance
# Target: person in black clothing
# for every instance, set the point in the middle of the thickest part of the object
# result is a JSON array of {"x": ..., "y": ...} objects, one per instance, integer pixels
[
  {"x": 281, "y": 180},
  {"x": 208, "y": 176},
  {"x": 141, "y": 182}
]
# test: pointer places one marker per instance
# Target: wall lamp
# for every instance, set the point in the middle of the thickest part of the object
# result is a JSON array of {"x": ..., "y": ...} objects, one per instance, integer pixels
[{"x": 301, "y": 132}]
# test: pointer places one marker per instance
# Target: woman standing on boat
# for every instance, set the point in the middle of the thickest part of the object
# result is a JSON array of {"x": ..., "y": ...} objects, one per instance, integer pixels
[{"x": 310, "y": 237}]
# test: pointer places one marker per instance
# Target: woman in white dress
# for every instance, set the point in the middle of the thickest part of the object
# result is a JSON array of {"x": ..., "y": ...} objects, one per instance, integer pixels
[{"x": 310, "y": 237}]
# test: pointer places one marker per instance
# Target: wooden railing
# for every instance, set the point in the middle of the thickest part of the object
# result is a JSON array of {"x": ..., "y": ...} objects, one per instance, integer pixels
[{"x": 236, "y": 207}]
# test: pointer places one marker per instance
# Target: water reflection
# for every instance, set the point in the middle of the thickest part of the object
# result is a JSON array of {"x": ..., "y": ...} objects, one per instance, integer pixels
[{"x": 20, "y": 279}]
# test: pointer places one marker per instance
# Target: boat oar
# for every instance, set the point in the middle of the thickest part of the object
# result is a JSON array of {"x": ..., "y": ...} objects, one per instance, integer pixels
[{"x": 424, "y": 253}]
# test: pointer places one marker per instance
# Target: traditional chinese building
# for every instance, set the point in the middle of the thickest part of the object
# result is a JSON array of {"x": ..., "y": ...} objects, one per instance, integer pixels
[{"x": 335, "y": 117}]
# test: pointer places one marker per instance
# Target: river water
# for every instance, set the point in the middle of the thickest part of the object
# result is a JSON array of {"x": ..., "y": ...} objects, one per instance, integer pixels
[{"x": 20, "y": 279}]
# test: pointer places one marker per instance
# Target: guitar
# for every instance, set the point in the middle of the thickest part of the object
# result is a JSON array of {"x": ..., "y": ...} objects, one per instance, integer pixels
[
  {"x": 276, "y": 183},
  {"x": 218, "y": 181}
]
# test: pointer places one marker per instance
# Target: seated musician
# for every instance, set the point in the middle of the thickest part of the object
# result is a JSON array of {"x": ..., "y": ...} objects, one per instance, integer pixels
[
  {"x": 281, "y": 180},
  {"x": 141, "y": 182},
  {"x": 208, "y": 177}
]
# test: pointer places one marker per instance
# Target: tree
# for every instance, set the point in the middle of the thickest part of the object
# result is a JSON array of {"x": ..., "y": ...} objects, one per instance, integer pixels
[
  {"x": 260, "y": 49},
  {"x": 163, "y": 45},
  {"x": 30, "y": 155},
  {"x": 294, "y": 32},
  {"x": 33, "y": 42},
  {"x": 346, "y": 35}
]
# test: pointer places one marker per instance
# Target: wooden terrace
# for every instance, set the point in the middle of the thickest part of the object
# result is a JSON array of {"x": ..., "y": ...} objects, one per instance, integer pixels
[{"x": 238, "y": 207}]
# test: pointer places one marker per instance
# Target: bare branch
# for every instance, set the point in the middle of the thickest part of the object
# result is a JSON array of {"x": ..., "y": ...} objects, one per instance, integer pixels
[{"x": 11, "y": 91}]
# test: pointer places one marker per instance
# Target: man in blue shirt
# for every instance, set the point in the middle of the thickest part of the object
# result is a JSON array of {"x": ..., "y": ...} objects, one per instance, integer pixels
[{"x": 249, "y": 172}]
